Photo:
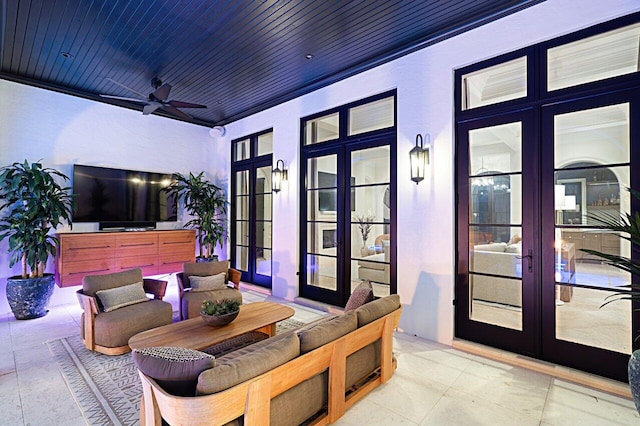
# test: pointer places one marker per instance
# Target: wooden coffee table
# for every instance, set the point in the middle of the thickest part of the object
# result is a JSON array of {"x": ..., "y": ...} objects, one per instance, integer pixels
[{"x": 195, "y": 334}]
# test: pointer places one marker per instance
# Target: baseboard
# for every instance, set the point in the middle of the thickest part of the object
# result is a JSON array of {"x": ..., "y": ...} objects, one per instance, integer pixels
[{"x": 565, "y": 373}]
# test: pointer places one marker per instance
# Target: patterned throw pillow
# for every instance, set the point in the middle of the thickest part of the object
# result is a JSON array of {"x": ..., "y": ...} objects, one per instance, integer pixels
[
  {"x": 175, "y": 369},
  {"x": 360, "y": 295},
  {"x": 119, "y": 297},
  {"x": 212, "y": 282}
]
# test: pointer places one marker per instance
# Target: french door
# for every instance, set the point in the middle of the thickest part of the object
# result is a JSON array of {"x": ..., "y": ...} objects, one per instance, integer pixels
[
  {"x": 346, "y": 212},
  {"x": 251, "y": 221},
  {"x": 529, "y": 184},
  {"x": 498, "y": 290}
]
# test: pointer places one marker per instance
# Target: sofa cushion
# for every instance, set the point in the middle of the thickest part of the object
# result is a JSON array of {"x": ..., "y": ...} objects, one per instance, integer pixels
[
  {"x": 114, "y": 329},
  {"x": 360, "y": 295},
  {"x": 264, "y": 356},
  {"x": 362, "y": 363},
  {"x": 499, "y": 247},
  {"x": 119, "y": 297},
  {"x": 175, "y": 369},
  {"x": 192, "y": 300},
  {"x": 371, "y": 311},
  {"x": 204, "y": 269},
  {"x": 210, "y": 282},
  {"x": 93, "y": 283},
  {"x": 326, "y": 330},
  {"x": 513, "y": 248}
]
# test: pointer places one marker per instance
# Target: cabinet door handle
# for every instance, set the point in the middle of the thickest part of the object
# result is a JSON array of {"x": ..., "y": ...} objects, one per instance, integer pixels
[{"x": 91, "y": 247}]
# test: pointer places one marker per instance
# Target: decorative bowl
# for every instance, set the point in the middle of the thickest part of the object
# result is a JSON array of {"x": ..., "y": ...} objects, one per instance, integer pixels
[{"x": 218, "y": 320}]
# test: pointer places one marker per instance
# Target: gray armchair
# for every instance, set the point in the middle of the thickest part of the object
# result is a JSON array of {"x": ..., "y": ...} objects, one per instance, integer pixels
[
  {"x": 191, "y": 301},
  {"x": 108, "y": 330}
]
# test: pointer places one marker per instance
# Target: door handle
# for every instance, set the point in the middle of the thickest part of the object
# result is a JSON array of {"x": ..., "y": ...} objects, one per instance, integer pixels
[{"x": 529, "y": 257}]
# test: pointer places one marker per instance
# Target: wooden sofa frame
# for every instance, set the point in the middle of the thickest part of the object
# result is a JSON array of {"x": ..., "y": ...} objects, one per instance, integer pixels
[
  {"x": 89, "y": 305},
  {"x": 252, "y": 398}
]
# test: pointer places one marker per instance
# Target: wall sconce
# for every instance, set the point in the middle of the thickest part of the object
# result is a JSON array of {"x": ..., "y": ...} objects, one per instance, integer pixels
[
  {"x": 419, "y": 159},
  {"x": 279, "y": 176}
]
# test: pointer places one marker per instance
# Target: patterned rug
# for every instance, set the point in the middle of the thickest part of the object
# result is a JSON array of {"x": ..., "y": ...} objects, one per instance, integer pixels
[{"x": 107, "y": 388}]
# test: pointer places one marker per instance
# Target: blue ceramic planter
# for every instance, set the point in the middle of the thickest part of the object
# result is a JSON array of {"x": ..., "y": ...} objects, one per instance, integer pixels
[
  {"x": 634, "y": 377},
  {"x": 29, "y": 297}
]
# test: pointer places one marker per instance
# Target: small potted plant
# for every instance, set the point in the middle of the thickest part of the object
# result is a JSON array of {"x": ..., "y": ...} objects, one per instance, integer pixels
[
  {"x": 220, "y": 312},
  {"x": 32, "y": 205},
  {"x": 207, "y": 204}
]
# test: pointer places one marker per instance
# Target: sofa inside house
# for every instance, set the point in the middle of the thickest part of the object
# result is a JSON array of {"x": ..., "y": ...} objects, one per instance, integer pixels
[
  {"x": 497, "y": 259},
  {"x": 312, "y": 374},
  {"x": 375, "y": 266}
]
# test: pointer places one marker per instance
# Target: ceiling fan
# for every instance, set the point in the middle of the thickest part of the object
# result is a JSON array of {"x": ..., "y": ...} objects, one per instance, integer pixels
[{"x": 157, "y": 99}]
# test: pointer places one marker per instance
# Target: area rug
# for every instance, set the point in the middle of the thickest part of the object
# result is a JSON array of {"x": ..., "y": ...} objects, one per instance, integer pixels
[{"x": 107, "y": 388}]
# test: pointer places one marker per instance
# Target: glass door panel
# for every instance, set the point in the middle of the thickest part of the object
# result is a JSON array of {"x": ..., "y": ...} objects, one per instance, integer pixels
[
  {"x": 241, "y": 216},
  {"x": 262, "y": 244},
  {"x": 495, "y": 218},
  {"x": 591, "y": 159},
  {"x": 322, "y": 222},
  {"x": 370, "y": 215}
]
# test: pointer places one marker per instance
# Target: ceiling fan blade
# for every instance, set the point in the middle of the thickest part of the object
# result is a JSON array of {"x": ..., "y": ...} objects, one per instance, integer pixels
[
  {"x": 128, "y": 88},
  {"x": 122, "y": 98},
  {"x": 180, "y": 104},
  {"x": 149, "y": 108},
  {"x": 162, "y": 93},
  {"x": 176, "y": 111}
]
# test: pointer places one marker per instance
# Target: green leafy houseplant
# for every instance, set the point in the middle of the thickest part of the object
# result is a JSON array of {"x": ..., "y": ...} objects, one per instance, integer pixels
[
  {"x": 207, "y": 204},
  {"x": 32, "y": 204},
  {"x": 627, "y": 226}
]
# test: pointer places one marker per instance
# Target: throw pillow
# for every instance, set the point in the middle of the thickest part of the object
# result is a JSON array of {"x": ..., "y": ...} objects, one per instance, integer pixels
[
  {"x": 360, "y": 295},
  {"x": 175, "y": 369},
  {"x": 119, "y": 297},
  {"x": 212, "y": 282}
]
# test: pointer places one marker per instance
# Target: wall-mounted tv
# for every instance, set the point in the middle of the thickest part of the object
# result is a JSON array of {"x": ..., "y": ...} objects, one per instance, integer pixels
[
  {"x": 121, "y": 198},
  {"x": 327, "y": 201}
]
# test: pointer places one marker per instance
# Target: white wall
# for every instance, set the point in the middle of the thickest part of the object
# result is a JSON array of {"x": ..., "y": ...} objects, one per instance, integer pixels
[
  {"x": 424, "y": 82},
  {"x": 61, "y": 130}
]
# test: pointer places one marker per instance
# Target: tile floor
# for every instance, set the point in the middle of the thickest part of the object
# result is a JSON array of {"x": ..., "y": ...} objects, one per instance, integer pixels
[{"x": 433, "y": 385}]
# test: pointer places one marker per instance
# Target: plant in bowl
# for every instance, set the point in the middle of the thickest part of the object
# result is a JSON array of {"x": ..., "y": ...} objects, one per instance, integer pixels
[{"x": 219, "y": 312}]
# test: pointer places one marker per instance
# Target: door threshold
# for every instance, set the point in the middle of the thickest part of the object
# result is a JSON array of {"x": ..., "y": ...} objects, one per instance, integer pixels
[{"x": 600, "y": 383}]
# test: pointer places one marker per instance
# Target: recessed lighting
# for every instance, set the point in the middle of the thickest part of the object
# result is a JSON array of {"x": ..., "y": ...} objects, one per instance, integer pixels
[
  {"x": 66, "y": 55},
  {"x": 309, "y": 56}
]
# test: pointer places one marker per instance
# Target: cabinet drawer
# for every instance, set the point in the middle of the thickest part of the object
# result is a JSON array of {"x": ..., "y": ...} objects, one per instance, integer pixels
[
  {"x": 173, "y": 262},
  {"x": 72, "y": 272},
  {"x": 148, "y": 264},
  {"x": 140, "y": 244},
  {"x": 86, "y": 247},
  {"x": 167, "y": 240}
]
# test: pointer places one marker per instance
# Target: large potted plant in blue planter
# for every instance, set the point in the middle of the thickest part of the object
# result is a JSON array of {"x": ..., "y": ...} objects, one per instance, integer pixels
[
  {"x": 627, "y": 226},
  {"x": 32, "y": 205}
]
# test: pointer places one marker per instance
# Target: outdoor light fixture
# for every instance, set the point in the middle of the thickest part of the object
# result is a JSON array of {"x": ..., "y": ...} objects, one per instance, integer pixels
[
  {"x": 279, "y": 176},
  {"x": 419, "y": 159}
]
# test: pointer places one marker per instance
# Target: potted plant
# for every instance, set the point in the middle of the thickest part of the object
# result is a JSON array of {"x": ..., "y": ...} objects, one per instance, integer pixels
[
  {"x": 627, "y": 226},
  {"x": 207, "y": 204},
  {"x": 32, "y": 205},
  {"x": 221, "y": 312}
]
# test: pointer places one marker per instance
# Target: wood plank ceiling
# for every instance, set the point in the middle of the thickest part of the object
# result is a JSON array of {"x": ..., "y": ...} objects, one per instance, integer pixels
[{"x": 237, "y": 57}]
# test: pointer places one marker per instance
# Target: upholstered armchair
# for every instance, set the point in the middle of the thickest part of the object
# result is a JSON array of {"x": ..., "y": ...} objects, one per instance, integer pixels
[
  {"x": 213, "y": 281},
  {"x": 116, "y": 307}
]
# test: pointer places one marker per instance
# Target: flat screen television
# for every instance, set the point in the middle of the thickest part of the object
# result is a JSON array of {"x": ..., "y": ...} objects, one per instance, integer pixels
[
  {"x": 121, "y": 198},
  {"x": 327, "y": 201}
]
